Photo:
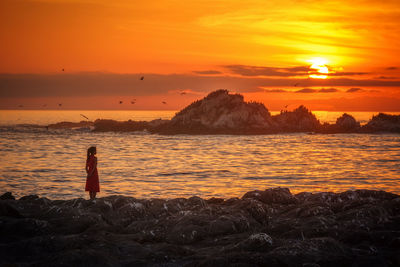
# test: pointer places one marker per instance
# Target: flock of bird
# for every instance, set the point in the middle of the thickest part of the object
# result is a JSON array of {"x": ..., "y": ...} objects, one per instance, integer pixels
[{"x": 133, "y": 101}]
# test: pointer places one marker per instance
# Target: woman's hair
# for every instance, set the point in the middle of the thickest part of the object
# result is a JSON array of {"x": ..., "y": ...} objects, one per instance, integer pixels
[{"x": 91, "y": 151}]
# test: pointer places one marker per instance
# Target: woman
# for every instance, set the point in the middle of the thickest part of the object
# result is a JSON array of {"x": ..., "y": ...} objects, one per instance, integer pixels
[{"x": 92, "y": 179}]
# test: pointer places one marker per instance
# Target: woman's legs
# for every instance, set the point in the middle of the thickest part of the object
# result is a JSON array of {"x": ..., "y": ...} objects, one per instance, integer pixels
[{"x": 92, "y": 194}]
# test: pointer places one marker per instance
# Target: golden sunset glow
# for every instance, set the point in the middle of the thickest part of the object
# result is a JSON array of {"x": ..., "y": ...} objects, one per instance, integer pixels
[{"x": 100, "y": 48}]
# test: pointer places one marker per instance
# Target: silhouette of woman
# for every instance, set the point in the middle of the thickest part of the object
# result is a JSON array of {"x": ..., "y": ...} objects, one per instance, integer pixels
[{"x": 92, "y": 179}]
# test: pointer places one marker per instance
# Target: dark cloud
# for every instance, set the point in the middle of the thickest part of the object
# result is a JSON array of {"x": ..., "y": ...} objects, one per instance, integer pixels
[
  {"x": 306, "y": 90},
  {"x": 391, "y": 68},
  {"x": 328, "y": 90},
  {"x": 246, "y": 70},
  {"x": 111, "y": 84},
  {"x": 354, "y": 89},
  {"x": 275, "y": 91},
  {"x": 207, "y": 72},
  {"x": 268, "y": 71},
  {"x": 342, "y": 73},
  {"x": 388, "y": 78}
]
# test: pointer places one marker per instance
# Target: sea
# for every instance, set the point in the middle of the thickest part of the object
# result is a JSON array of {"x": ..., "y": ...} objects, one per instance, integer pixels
[{"x": 51, "y": 162}]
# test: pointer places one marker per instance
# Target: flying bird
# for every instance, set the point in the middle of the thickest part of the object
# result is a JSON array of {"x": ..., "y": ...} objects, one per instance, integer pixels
[
  {"x": 62, "y": 70},
  {"x": 84, "y": 116},
  {"x": 121, "y": 102},
  {"x": 142, "y": 78},
  {"x": 133, "y": 102},
  {"x": 59, "y": 105},
  {"x": 295, "y": 85},
  {"x": 183, "y": 93},
  {"x": 164, "y": 102}
]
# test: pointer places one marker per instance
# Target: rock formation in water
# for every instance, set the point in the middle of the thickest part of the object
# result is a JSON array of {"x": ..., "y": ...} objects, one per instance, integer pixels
[
  {"x": 221, "y": 112},
  {"x": 344, "y": 124},
  {"x": 298, "y": 120},
  {"x": 264, "y": 228},
  {"x": 383, "y": 123},
  {"x": 70, "y": 125}
]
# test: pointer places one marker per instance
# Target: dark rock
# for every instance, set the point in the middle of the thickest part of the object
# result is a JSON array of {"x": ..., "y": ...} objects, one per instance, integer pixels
[
  {"x": 347, "y": 123},
  {"x": 186, "y": 234},
  {"x": 8, "y": 210},
  {"x": 218, "y": 113},
  {"x": 272, "y": 196},
  {"x": 69, "y": 125},
  {"x": 29, "y": 198},
  {"x": 214, "y": 200},
  {"x": 102, "y": 125},
  {"x": 298, "y": 120},
  {"x": 383, "y": 123},
  {"x": 7, "y": 195},
  {"x": 271, "y": 227},
  {"x": 221, "y": 112},
  {"x": 256, "y": 242},
  {"x": 344, "y": 124}
]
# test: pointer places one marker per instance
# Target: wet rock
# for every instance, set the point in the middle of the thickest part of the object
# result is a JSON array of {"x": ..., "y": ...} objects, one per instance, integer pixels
[
  {"x": 272, "y": 196},
  {"x": 312, "y": 250},
  {"x": 186, "y": 234},
  {"x": 29, "y": 198},
  {"x": 256, "y": 242},
  {"x": 274, "y": 227},
  {"x": 7, "y": 195},
  {"x": 221, "y": 226},
  {"x": 8, "y": 210}
]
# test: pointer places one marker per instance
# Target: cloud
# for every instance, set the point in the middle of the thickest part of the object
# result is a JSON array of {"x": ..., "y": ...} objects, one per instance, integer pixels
[
  {"x": 275, "y": 91},
  {"x": 328, "y": 90},
  {"x": 207, "y": 72},
  {"x": 342, "y": 73},
  {"x": 387, "y": 78},
  {"x": 111, "y": 84},
  {"x": 245, "y": 70},
  {"x": 306, "y": 90},
  {"x": 354, "y": 89},
  {"x": 322, "y": 90},
  {"x": 392, "y": 68}
]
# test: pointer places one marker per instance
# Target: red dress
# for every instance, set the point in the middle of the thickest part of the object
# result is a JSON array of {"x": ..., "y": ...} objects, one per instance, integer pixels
[{"x": 92, "y": 182}]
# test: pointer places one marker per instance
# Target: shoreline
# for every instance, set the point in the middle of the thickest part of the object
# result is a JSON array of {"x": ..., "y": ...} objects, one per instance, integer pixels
[{"x": 272, "y": 227}]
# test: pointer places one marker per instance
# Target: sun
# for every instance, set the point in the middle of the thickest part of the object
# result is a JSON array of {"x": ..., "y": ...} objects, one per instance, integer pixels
[{"x": 318, "y": 68}]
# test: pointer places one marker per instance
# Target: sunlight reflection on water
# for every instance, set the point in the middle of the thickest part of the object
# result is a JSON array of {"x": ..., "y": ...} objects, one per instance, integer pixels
[{"x": 51, "y": 164}]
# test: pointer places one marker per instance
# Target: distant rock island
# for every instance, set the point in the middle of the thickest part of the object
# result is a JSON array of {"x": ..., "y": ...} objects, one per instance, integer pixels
[
  {"x": 271, "y": 227},
  {"x": 221, "y": 112}
]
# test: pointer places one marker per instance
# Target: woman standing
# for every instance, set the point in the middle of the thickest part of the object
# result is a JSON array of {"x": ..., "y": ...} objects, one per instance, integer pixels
[{"x": 92, "y": 179}]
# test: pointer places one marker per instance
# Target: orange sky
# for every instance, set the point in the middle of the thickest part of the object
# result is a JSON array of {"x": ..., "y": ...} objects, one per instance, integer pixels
[{"x": 186, "y": 49}]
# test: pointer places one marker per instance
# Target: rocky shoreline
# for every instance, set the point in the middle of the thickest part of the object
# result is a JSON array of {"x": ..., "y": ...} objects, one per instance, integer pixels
[{"x": 262, "y": 228}]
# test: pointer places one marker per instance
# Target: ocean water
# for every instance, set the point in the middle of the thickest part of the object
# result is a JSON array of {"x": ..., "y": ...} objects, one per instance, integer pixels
[{"x": 51, "y": 163}]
